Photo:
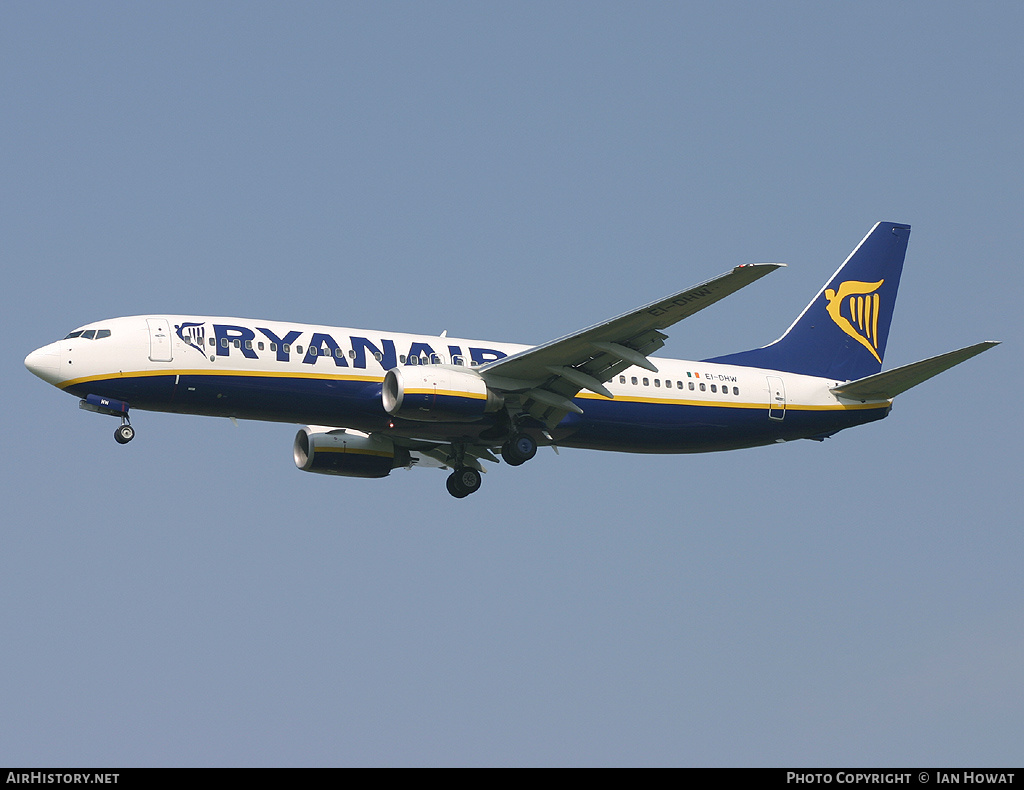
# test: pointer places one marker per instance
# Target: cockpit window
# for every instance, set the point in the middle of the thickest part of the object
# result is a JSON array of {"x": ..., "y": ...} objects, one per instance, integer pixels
[{"x": 89, "y": 334}]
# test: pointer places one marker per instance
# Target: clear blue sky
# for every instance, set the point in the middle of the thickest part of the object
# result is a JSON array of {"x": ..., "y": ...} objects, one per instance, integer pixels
[{"x": 511, "y": 172}]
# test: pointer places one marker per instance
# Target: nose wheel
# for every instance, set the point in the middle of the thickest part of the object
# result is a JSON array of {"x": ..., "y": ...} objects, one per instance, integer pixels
[{"x": 124, "y": 433}]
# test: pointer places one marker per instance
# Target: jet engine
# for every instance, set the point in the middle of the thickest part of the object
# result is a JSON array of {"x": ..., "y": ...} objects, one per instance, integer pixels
[
  {"x": 351, "y": 454},
  {"x": 438, "y": 393}
]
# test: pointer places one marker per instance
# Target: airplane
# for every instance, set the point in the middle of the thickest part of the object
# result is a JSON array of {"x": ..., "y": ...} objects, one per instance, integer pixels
[{"x": 374, "y": 401}]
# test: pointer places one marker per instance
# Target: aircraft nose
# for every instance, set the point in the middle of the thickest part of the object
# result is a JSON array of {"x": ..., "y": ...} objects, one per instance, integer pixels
[{"x": 45, "y": 363}]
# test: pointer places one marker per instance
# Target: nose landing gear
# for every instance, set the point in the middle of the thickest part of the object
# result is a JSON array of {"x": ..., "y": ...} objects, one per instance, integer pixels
[
  {"x": 124, "y": 433},
  {"x": 117, "y": 408}
]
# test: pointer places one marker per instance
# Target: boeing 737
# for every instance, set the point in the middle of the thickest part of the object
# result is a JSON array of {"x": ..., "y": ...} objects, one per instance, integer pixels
[{"x": 373, "y": 401}]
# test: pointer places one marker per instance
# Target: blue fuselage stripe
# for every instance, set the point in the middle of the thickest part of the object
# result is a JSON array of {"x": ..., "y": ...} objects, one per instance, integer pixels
[{"x": 621, "y": 424}]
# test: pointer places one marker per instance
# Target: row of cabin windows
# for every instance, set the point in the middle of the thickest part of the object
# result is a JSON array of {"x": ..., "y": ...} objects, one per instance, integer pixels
[
  {"x": 89, "y": 334},
  {"x": 679, "y": 385},
  {"x": 434, "y": 359}
]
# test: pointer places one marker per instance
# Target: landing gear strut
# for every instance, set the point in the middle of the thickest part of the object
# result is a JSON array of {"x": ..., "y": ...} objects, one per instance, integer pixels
[
  {"x": 116, "y": 408},
  {"x": 463, "y": 482},
  {"x": 519, "y": 449}
]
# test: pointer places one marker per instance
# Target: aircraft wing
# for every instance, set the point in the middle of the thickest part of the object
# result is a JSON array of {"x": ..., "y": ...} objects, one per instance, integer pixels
[{"x": 548, "y": 376}]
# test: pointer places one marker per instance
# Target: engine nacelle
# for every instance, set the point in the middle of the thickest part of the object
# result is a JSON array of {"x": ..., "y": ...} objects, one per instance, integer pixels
[
  {"x": 438, "y": 393},
  {"x": 341, "y": 452}
]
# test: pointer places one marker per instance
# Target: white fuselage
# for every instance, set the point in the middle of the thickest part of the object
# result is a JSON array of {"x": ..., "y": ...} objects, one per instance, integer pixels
[{"x": 303, "y": 373}]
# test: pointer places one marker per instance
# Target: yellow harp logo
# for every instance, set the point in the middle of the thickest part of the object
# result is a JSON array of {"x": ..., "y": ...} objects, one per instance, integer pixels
[{"x": 854, "y": 308}]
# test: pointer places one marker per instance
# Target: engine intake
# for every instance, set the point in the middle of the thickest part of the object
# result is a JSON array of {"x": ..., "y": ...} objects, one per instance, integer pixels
[
  {"x": 438, "y": 393},
  {"x": 341, "y": 452}
]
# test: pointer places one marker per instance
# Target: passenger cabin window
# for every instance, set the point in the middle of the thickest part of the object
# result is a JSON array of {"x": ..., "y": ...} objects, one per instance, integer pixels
[
  {"x": 702, "y": 387},
  {"x": 735, "y": 390},
  {"x": 634, "y": 381}
]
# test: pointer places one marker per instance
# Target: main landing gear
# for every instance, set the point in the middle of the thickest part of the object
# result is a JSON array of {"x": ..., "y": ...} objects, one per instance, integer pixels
[
  {"x": 519, "y": 449},
  {"x": 465, "y": 479},
  {"x": 463, "y": 482}
]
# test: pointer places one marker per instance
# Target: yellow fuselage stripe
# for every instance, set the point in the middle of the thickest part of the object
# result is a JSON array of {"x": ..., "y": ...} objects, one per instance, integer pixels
[{"x": 476, "y": 396}]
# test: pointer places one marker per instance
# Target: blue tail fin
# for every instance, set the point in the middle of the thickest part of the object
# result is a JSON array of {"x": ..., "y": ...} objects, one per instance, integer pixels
[{"x": 841, "y": 334}]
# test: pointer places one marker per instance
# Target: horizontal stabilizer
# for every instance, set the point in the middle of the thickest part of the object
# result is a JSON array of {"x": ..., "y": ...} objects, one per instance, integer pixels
[{"x": 887, "y": 385}]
